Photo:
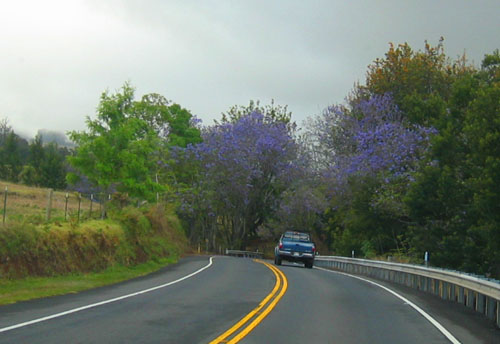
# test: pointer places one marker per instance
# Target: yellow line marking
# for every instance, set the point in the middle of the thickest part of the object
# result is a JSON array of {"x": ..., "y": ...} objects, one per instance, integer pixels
[
  {"x": 251, "y": 314},
  {"x": 268, "y": 310},
  {"x": 279, "y": 277}
]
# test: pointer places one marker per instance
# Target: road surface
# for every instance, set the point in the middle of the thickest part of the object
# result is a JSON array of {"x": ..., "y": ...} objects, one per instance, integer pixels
[{"x": 199, "y": 299}]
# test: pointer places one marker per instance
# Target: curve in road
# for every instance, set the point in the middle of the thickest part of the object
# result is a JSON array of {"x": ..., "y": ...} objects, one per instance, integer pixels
[{"x": 314, "y": 307}]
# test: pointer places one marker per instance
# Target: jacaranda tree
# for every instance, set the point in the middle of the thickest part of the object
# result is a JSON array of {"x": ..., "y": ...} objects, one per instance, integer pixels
[
  {"x": 367, "y": 154},
  {"x": 243, "y": 168}
]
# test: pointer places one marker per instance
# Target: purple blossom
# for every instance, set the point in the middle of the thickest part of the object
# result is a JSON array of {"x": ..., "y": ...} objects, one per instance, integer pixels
[
  {"x": 370, "y": 139},
  {"x": 242, "y": 167}
]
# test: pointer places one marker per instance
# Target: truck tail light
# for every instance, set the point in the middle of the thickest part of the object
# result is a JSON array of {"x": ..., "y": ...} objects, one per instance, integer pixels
[
  {"x": 281, "y": 245},
  {"x": 314, "y": 249}
]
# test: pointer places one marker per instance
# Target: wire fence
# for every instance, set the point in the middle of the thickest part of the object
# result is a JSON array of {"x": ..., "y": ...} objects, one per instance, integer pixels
[{"x": 23, "y": 203}]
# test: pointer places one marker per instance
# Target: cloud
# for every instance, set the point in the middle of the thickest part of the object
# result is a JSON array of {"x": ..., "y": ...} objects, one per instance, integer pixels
[{"x": 58, "y": 56}]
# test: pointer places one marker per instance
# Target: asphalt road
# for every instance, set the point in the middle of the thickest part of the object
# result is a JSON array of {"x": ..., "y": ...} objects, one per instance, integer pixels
[{"x": 316, "y": 307}]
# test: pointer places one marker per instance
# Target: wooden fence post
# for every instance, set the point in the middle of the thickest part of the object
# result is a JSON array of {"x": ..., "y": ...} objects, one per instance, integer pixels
[
  {"x": 79, "y": 206},
  {"x": 157, "y": 193},
  {"x": 91, "y": 203},
  {"x": 104, "y": 205},
  {"x": 100, "y": 197},
  {"x": 5, "y": 204},
  {"x": 66, "y": 207},
  {"x": 49, "y": 203}
]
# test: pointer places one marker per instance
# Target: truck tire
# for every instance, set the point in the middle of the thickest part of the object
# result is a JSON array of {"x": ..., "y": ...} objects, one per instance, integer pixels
[
  {"x": 277, "y": 260},
  {"x": 309, "y": 264}
]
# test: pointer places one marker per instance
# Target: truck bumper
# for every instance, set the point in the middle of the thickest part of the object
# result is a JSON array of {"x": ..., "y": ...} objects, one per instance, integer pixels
[{"x": 295, "y": 256}]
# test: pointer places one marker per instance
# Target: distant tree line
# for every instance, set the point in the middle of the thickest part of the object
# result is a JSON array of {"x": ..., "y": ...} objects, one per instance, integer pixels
[{"x": 31, "y": 163}]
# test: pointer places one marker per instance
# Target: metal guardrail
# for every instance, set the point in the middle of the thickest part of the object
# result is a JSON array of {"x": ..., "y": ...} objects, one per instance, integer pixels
[
  {"x": 247, "y": 254},
  {"x": 480, "y": 294}
]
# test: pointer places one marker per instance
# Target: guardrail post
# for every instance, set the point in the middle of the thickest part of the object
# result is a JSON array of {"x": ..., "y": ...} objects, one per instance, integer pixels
[
  {"x": 480, "y": 303},
  {"x": 470, "y": 299},
  {"x": 498, "y": 313},
  {"x": 461, "y": 298},
  {"x": 447, "y": 291},
  {"x": 490, "y": 308}
]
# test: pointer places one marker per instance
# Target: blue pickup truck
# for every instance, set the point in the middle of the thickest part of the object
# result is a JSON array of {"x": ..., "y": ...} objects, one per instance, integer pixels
[{"x": 295, "y": 247}]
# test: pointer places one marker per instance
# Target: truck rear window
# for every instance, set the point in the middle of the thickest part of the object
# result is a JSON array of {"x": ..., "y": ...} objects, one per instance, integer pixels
[{"x": 296, "y": 237}]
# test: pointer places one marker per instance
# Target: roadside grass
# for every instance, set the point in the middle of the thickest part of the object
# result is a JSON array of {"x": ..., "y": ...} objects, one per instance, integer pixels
[
  {"x": 15, "y": 290},
  {"x": 40, "y": 258}
]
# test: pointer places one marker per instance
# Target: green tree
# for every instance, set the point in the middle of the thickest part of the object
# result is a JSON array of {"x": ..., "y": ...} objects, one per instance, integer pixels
[
  {"x": 37, "y": 156},
  {"x": 52, "y": 170},
  {"x": 182, "y": 130},
  {"x": 11, "y": 158},
  {"x": 454, "y": 200},
  {"x": 28, "y": 175},
  {"x": 419, "y": 81},
  {"x": 126, "y": 145},
  {"x": 116, "y": 150},
  {"x": 482, "y": 135},
  {"x": 172, "y": 123},
  {"x": 5, "y": 130}
]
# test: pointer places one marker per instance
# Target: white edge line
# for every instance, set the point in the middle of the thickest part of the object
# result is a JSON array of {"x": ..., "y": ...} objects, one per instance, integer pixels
[
  {"x": 97, "y": 304},
  {"x": 434, "y": 322}
]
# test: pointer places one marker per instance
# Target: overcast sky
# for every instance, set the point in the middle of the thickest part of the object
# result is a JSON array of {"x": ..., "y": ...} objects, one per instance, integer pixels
[{"x": 57, "y": 57}]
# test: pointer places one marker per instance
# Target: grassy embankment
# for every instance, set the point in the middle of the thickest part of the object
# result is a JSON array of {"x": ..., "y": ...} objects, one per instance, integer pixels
[{"x": 39, "y": 258}]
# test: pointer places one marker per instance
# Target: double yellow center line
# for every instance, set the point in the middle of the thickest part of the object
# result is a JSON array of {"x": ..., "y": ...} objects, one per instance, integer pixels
[{"x": 259, "y": 313}]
